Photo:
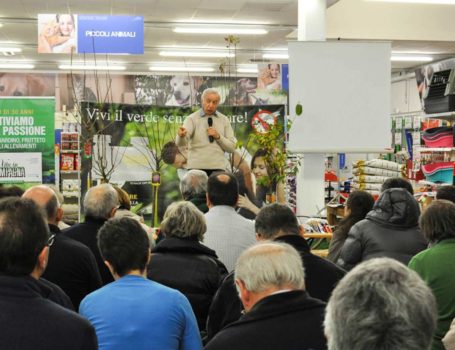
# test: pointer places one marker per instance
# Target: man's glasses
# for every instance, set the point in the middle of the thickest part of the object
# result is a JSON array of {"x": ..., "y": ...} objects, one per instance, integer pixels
[{"x": 51, "y": 240}]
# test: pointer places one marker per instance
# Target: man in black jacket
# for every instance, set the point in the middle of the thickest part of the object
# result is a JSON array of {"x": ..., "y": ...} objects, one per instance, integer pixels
[
  {"x": 100, "y": 204},
  {"x": 71, "y": 265},
  {"x": 276, "y": 222},
  {"x": 28, "y": 320},
  {"x": 279, "y": 312}
]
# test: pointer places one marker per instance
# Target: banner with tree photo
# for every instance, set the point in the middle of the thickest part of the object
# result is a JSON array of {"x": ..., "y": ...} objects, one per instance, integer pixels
[{"x": 122, "y": 144}]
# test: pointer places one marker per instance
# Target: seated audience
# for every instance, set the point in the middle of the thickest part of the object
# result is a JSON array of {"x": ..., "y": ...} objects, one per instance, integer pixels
[
  {"x": 389, "y": 230},
  {"x": 380, "y": 305},
  {"x": 436, "y": 264},
  {"x": 100, "y": 204},
  {"x": 358, "y": 205},
  {"x": 228, "y": 233},
  {"x": 71, "y": 264},
  {"x": 279, "y": 312},
  {"x": 28, "y": 320},
  {"x": 193, "y": 187},
  {"x": 10, "y": 191},
  {"x": 124, "y": 210},
  {"x": 276, "y": 222},
  {"x": 182, "y": 262},
  {"x": 134, "y": 312}
]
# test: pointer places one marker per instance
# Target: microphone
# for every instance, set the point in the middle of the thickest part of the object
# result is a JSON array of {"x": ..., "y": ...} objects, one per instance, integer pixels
[{"x": 210, "y": 121}]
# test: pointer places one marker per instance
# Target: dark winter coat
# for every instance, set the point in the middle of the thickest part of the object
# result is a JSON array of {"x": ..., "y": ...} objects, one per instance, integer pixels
[
  {"x": 190, "y": 267},
  {"x": 289, "y": 320},
  {"x": 389, "y": 230}
]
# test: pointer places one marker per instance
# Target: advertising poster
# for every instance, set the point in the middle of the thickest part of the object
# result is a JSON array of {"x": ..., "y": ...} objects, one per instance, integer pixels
[
  {"x": 20, "y": 167},
  {"x": 57, "y": 33},
  {"x": 122, "y": 144},
  {"x": 27, "y": 126}
]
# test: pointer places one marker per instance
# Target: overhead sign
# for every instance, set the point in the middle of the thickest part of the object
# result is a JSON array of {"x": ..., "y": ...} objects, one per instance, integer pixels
[{"x": 110, "y": 34}]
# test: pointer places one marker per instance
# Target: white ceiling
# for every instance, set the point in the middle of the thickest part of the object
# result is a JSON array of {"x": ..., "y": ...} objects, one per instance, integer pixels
[{"x": 428, "y": 28}]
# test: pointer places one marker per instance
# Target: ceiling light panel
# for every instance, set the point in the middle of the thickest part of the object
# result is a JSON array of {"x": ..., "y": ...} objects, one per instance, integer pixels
[
  {"x": 426, "y": 2},
  {"x": 89, "y": 67},
  {"x": 196, "y": 54},
  {"x": 402, "y": 58},
  {"x": 220, "y": 30}
]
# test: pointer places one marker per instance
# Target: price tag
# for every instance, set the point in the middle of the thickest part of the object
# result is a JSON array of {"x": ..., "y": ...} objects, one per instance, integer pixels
[
  {"x": 397, "y": 138},
  {"x": 408, "y": 122}
]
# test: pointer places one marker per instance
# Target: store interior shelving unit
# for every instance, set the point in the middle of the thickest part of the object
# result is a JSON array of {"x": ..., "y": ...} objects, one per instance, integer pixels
[{"x": 70, "y": 175}]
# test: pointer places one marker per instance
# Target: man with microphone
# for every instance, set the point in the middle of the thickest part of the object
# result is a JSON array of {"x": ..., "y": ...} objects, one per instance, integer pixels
[{"x": 208, "y": 134}]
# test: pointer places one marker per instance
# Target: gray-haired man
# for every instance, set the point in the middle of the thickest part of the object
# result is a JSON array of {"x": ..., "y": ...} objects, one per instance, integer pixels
[
  {"x": 381, "y": 304},
  {"x": 208, "y": 134},
  {"x": 279, "y": 313}
]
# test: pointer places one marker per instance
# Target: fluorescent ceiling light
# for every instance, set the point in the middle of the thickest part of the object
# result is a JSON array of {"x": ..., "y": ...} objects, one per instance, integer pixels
[
  {"x": 428, "y": 2},
  {"x": 196, "y": 54},
  {"x": 247, "y": 70},
  {"x": 181, "y": 69},
  {"x": 395, "y": 58},
  {"x": 220, "y": 30},
  {"x": 16, "y": 66},
  {"x": 280, "y": 56},
  {"x": 89, "y": 67},
  {"x": 10, "y": 49}
]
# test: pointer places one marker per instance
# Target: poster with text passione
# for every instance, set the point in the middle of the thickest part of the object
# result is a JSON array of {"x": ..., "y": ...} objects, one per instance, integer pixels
[{"x": 27, "y": 130}]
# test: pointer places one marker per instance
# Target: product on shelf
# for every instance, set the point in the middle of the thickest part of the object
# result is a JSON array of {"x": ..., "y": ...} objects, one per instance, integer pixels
[
  {"x": 67, "y": 162},
  {"x": 438, "y": 137},
  {"x": 439, "y": 172}
]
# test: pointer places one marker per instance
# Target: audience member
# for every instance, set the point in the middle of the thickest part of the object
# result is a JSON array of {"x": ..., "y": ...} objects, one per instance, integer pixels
[
  {"x": 446, "y": 192},
  {"x": 435, "y": 265},
  {"x": 228, "y": 233},
  {"x": 389, "y": 230},
  {"x": 124, "y": 210},
  {"x": 71, "y": 264},
  {"x": 181, "y": 262},
  {"x": 449, "y": 338},
  {"x": 11, "y": 191},
  {"x": 380, "y": 305},
  {"x": 276, "y": 222},
  {"x": 134, "y": 312},
  {"x": 270, "y": 280},
  {"x": 61, "y": 200},
  {"x": 100, "y": 204},
  {"x": 28, "y": 320},
  {"x": 193, "y": 187},
  {"x": 358, "y": 205}
]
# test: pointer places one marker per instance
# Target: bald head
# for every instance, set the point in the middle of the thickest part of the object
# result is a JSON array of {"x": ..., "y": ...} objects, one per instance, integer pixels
[
  {"x": 222, "y": 189},
  {"x": 47, "y": 200}
]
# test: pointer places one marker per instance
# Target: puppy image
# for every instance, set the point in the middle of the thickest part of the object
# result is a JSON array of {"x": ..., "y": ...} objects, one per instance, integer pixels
[
  {"x": 184, "y": 91},
  {"x": 243, "y": 88},
  {"x": 16, "y": 84}
]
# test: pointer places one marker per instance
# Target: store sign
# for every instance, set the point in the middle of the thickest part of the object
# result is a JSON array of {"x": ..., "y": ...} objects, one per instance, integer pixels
[
  {"x": 110, "y": 34},
  {"x": 20, "y": 167}
]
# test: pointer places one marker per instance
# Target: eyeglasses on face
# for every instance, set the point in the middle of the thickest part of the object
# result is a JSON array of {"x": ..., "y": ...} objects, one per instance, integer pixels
[{"x": 50, "y": 240}]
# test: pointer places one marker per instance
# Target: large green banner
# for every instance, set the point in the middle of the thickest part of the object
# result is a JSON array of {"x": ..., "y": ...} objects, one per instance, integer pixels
[{"x": 27, "y": 129}]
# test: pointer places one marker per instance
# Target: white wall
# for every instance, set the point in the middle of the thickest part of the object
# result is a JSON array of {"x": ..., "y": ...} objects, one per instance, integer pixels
[{"x": 404, "y": 95}]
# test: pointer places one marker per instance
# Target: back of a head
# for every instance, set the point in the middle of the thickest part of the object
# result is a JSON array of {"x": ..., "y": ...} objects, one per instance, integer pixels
[
  {"x": 397, "y": 182},
  {"x": 437, "y": 222},
  {"x": 446, "y": 192},
  {"x": 183, "y": 219},
  {"x": 99, "y": 201},
  {"x": 194, "y": 182},
  {"x": 359, "y": 203},
  {"x": 23, "y": 235},
  {"x": 276, "y": 220},
  {"x": 223, "y": 189},
  {"x": 10, "y": 191},
  {"x": 45, "y": 198},
  {"x": 271, "y": 264},
  {"x": 380, "y": 305},
  {"x": 169, "y": 151},
  {"x": 123, "y": 198},
  {"x": 124, "y": 244}
]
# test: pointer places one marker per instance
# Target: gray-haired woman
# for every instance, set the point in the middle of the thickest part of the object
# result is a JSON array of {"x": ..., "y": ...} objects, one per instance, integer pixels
[{"x": 182, "y": 262}]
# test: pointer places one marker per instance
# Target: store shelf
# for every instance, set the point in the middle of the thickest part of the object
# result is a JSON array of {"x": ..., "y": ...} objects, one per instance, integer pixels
[
  {"x": 69, "y": 171},
  {"x": 69, "y": 151},
  {"x": 71, "y": 194},
  {"x": 435, "y": 149},
  {"x": 449, "y": 116}
]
